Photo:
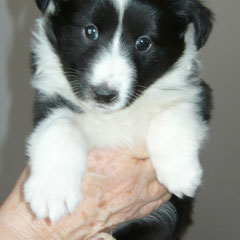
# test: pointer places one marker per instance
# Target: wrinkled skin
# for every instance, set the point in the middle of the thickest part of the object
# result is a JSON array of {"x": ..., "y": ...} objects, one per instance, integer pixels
[{"x": 117, "y": 187}]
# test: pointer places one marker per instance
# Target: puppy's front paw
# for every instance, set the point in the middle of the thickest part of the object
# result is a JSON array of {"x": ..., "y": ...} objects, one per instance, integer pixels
[
  {"x": 52, "y": 196},
  {"x": 181, "y": 182},
  {"x": 102, "y": 236}
]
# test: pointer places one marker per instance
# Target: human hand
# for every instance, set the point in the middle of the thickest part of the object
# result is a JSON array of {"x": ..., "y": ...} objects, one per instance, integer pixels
[{"x": 117, "y": 187}]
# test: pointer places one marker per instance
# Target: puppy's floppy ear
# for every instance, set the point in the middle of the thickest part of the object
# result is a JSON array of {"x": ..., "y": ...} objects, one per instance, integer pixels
[
  {"x": 193, "y": 11},
  {"x": 42, "y": 4},
  {"x": 202, "y": 19}
]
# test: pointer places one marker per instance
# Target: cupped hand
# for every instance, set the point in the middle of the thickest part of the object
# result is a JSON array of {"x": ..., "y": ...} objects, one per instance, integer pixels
[{"x": 117, "y": 187}]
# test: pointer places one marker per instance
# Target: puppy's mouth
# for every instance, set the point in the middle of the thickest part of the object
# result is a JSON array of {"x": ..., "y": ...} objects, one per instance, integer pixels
[
  {"x": 94, "y": 106},
  {"x": 103, "y": 108}
]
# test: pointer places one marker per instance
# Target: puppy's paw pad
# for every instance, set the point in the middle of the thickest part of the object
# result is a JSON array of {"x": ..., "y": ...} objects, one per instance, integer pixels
[{"x": 52, "y": 197}]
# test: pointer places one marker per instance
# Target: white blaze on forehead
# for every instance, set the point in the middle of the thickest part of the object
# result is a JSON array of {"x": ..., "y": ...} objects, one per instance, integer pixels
[
  {"x": 112, "y": 66},
  {"x": 121, "y": 6}
]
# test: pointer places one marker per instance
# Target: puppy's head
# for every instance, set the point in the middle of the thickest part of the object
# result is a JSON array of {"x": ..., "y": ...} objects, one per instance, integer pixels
[{"x": 112, "y": 50}]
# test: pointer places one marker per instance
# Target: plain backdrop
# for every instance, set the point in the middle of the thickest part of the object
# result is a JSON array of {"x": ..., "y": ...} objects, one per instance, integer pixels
[{"x": 217, "y": 214}]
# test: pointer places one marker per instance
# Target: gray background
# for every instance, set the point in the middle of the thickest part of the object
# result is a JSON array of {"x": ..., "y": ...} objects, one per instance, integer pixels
[{"x": 217, "y": 209}]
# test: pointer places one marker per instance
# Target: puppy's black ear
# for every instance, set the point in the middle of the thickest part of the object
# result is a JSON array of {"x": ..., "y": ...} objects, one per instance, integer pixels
[
  {"x": 202, "y": 19},
  {"x": 42, "y": 4},
  {"x": 193, "y": 11}
]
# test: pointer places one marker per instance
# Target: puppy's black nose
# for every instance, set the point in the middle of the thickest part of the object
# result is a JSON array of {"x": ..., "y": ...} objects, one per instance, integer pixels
[{"x": 104, "y": 94}]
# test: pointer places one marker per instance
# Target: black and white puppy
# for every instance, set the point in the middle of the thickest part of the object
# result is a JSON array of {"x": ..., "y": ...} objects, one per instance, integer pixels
[{"x": 111, "y": 74}]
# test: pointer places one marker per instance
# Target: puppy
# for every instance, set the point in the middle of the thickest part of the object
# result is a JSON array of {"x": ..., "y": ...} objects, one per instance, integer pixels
[{"x": 112, "y": 74}]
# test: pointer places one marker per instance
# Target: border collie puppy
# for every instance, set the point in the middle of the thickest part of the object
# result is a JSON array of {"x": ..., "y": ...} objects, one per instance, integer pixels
[{"x": 112, "y": 74}]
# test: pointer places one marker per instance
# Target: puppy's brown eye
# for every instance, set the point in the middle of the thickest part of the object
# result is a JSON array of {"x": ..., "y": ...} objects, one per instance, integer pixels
[
  {"x": 143, "y": 44},
  {"x": 91, "y": 32}
]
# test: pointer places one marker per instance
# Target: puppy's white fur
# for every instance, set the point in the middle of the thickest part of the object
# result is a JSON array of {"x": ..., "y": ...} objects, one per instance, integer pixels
[
  {"x": 164, "y": 118},
  {"x": 55, "y": 148}
]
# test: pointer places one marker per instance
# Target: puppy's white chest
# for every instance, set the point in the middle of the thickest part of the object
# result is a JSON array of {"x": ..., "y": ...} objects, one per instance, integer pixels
[{"x": 126, "y": 128}]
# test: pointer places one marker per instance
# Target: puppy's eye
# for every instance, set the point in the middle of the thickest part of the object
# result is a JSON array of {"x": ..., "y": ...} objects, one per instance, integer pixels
[
  {"x": 143, "y": 44},
  {"x": 91, "y": 32}
]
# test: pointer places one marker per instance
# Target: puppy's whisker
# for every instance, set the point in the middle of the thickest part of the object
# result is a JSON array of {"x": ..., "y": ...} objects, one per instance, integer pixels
[{"x": 73, "y": 70}]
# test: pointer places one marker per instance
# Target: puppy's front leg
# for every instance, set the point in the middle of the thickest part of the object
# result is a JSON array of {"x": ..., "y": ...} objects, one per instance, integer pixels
[
  {"x": 57, "y": 159},
  {"x": 174, "y": 139}
]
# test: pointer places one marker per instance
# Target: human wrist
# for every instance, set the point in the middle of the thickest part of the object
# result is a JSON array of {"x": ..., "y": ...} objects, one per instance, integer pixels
[
  {"x": 17, "y": 221},
  {"x": 14, "y": 224}
]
